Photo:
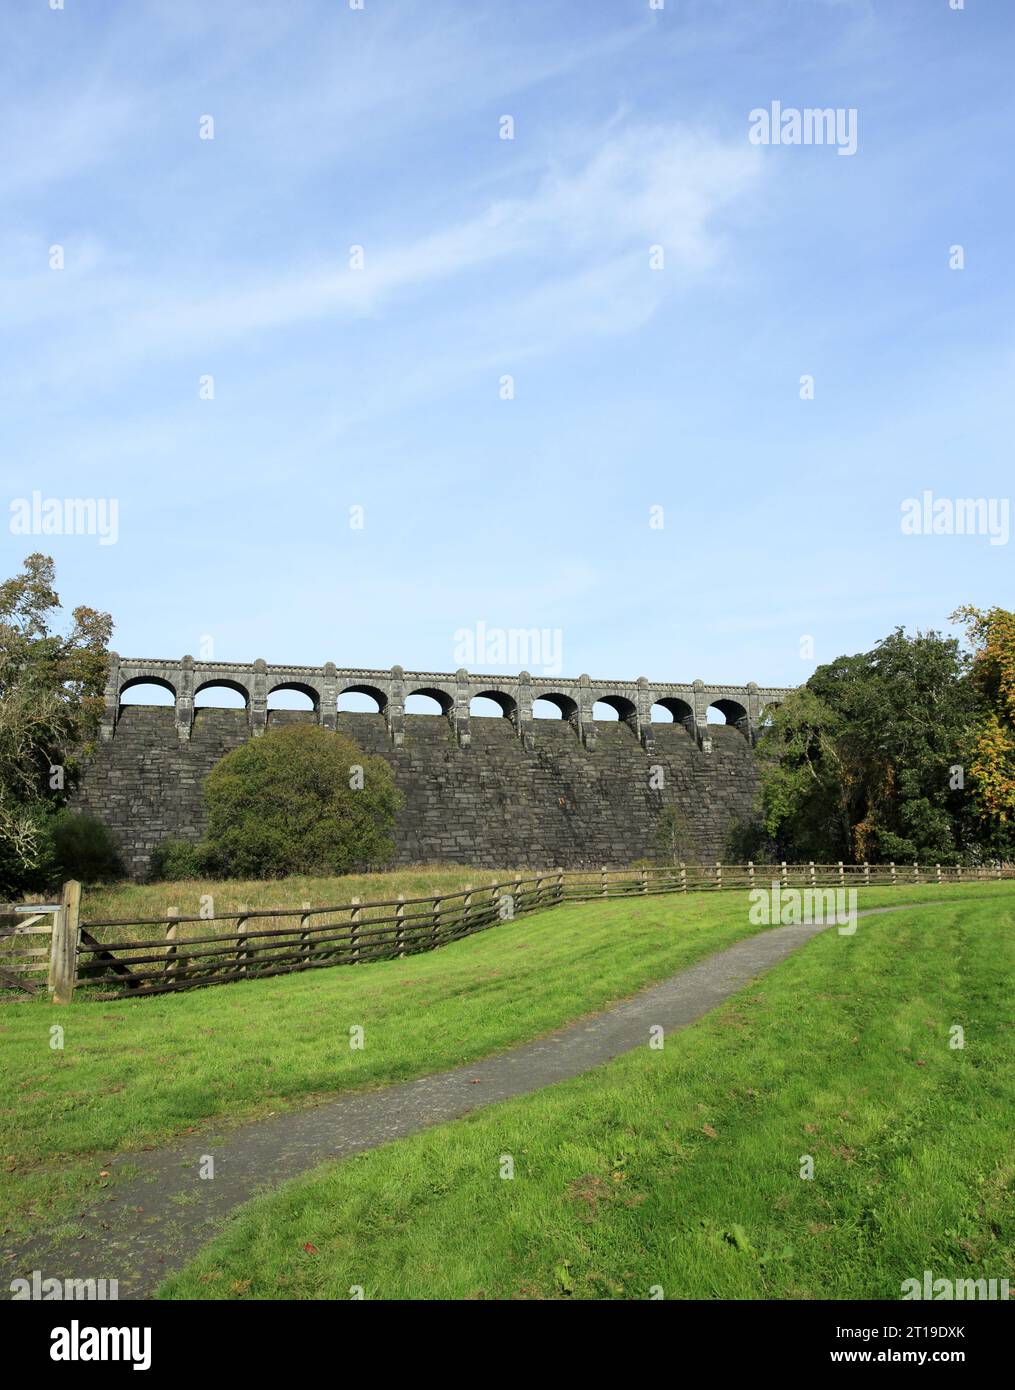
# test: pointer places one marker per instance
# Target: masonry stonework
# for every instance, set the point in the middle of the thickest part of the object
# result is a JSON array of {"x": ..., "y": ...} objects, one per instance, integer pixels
[{"x": 493, "y": 792}]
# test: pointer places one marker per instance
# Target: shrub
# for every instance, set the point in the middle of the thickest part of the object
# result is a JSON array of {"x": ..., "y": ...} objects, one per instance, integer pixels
[
  {"x": 296, "y": 800},
  {"x": 175, "y": 859},
  {"x": 81, "y": 847}
]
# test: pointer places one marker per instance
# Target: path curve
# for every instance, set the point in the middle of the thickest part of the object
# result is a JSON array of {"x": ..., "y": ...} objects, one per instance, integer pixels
[{"x": 157, "y": 1221}]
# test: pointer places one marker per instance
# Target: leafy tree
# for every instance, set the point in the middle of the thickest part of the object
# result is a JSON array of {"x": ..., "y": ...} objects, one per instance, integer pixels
[
  {"x": 299, "y": 799},
  {"x": 81, "y": 847},
  {"x": 50, "y": 701},
  {"x": 855, "y": 764},
  {"x": 674, "y": 836},
  {"x": 178, "y": 859},
  {"x": 990, "y": 745}
]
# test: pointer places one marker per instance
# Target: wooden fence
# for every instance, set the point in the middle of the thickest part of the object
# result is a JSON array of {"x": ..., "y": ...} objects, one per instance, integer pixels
[{"x": 274, "y": 941}]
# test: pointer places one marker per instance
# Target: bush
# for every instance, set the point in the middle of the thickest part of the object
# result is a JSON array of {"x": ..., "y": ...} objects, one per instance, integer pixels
[
  {"x": 81, "y": 847},
  {"x": 299, "y": 800},
  {"x": 175, "y": 859}
]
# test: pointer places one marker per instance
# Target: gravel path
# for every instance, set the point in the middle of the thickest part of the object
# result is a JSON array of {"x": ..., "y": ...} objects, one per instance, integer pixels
[{"x": 154, "y": 1222}]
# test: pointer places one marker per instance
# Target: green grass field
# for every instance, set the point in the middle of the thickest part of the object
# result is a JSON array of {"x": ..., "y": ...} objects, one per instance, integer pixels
[
  {"x": 677, "y": 1173},
  {"x": 136, "y": 1073},
  {"x": 140, "y": 1071}
]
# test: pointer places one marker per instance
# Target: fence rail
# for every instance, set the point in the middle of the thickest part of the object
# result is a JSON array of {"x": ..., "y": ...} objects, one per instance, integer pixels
[{"x": 273, "y": 941}]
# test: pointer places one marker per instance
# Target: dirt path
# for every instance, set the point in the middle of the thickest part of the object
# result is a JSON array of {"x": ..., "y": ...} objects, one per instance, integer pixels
[{"x": 158, "y": 1220}]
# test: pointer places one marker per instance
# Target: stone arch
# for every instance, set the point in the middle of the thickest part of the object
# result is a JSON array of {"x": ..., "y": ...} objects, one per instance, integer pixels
[
  {"x": 371, "y": 691},
  {"x": 221, "y": 683},
  {"x": 507, "y": 705},
  {"x": 679, "y": 711},
  {"x": 624, "y": 708},
  {"x": 299, "y": 688},
  {"x": 568, "y": 708},
  {"x": 443, "y": 699},
  {"x": 158, "y": 681},
  {"x": 733, "y": 713}
]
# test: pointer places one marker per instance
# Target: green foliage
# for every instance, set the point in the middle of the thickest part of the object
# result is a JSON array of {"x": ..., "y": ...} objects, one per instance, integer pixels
[
  {"x": 990, "y": 746},
  {"x": 291, "y": 802},
  {"x": 675, "y": 840},
  {"x": 81, "y": 847},
  {"x": 50, "y": 701},
  {"x": 856, "y": 764},
  {"x": 177, "y": 859}
]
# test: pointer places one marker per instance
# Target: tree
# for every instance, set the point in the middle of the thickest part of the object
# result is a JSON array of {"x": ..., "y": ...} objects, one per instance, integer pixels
[
  {"x": 990, "y": 745},
  {"x": 856, "y": 764},
  {"x": 50, "y": 702},
  {"x": 674, "y": 836},
  {"x": 300, "y": 799}
]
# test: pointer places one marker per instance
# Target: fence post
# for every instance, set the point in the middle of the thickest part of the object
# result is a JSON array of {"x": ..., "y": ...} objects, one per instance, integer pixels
[
  {"x": 467, "y": 904},
  {"x": 683, "y": 877},
  {"x": 304, "y": 931},
  {"x": 810, "y": 865},
  {"x": 894, "y": 876},
  {"x": 63, "y": 950},
  {"x": 842, "y": 874},
  {"x": 937, "y": 868},
  {"x": 750, "y": 873},
  {"x": 866, "y": 874},
  {"x": 718, "y": 876},
  {"x": 241, "y": 941},
  {"x": 517, "y": 905},
  {"x": 959, "y": 872},
  {"x": 172, "y": 932},
  {"x": 400, "y": 925},
  {"x": 354, "y": 918},
  {"x": 604, "y": 890},
  {"x": 435, "y": 922},
  {"x": 916, "y": 872},
  {"x": 644, "y": 880},
  {"x": 785, "y": 879},
  {"x": 560, "y": 885},
  {"x": 997, "y": 870}
]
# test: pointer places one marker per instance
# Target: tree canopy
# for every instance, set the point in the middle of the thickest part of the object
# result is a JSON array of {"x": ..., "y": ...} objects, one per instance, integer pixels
[
  {"x": 905, "y": 752},
  {"x": 51, "y": 686},
  {"x": 299, "y": 799}
]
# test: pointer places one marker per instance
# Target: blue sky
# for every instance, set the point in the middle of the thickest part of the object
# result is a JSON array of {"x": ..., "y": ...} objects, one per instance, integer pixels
[{"x": 634, "y": 387}]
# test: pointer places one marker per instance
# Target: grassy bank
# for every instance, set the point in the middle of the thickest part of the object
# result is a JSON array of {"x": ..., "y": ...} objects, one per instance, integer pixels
[
  {"x": 680, "y": 1170},
  {"x": 137, "y": 1072}
]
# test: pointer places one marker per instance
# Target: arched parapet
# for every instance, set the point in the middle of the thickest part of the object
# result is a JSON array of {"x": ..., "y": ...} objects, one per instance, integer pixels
[
  {"x": 443, "y": 697},
  {"x": 575, "y": 698},
  {"x": 147, "y": 678},
  {"x": 570, "y": 710},
  {"x": 734, "y": 712},
  {"x": 223, "y": 683},
  {"x": 733, "y": 703},
  {"x": 507, "y": 704},
  {"x": 374, "y": 692},
  {"x": 311, "y": 689},
  {"x": 625, "y": 704},
  {"x": 681, "y": 711},
  {"x": 125, "y": 675}
]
